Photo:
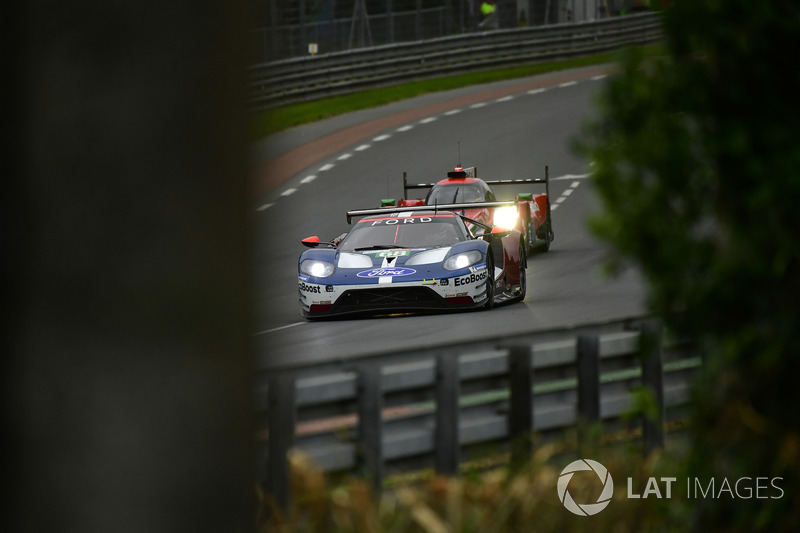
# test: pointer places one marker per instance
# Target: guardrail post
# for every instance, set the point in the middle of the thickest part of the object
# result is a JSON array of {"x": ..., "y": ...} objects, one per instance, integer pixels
[
  {"x": 281, "y": 414},
  {"x": 588, "y": 352},
  {"x": 447, "y": 448},
  {"x": 520, "y": 417},
  {"x": 370, "y": 424},
  {"x": 651, "y": 342}
]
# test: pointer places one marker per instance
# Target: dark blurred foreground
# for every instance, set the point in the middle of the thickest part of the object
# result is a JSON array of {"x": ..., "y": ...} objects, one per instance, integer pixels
[{"x": 126, "y": 285}]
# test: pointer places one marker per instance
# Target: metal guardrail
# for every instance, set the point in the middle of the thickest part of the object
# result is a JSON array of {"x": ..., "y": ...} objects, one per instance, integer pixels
[
  {"x": 404, "y": 410},
  {"x": 272, "y": 43},
  {"x": 311, "y": 77}
]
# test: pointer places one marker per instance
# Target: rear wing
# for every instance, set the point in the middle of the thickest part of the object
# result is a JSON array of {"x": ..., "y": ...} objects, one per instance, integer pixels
[
  {"x": 434, "y": 208},
  {"x": 472, "y": 172},
  {"x": 469, "y": 172}
]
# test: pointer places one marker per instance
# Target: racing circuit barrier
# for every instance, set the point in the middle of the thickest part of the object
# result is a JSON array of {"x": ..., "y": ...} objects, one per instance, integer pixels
[
  {"x": 437, "y": 407},
  {"x": 307, "y": 78}
]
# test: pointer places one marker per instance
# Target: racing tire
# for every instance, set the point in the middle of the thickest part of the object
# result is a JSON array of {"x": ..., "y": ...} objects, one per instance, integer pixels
[
  {"x": 523, "y": 274},
  {"x": 530, "y": 236},
  {"x": 489, "y": 303},
  {"x": 530, "y": 239},
  {"x": 547, "y": 235}
]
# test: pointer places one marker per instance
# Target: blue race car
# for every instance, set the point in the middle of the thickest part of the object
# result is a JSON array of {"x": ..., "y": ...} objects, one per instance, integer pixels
[{"x": 411, "y": 259}]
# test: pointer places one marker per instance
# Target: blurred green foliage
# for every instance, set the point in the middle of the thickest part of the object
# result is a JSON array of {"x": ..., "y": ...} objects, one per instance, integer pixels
[
  {"x": 496, "y": 500},
  {"x": 697, "y": 161}
]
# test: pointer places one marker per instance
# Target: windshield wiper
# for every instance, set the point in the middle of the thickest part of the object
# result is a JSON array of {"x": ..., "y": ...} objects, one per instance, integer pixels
[{"x": 377, "y": 247}]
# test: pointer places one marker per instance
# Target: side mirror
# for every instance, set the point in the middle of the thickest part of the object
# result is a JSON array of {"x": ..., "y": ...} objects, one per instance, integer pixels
[{"x": 311, "y": 242}]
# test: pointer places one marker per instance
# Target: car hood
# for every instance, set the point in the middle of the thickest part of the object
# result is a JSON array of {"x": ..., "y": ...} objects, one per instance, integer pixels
[{"x": 392, "y": 258}]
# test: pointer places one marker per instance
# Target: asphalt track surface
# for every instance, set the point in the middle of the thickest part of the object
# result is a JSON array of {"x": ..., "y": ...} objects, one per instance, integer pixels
[{"x": 508, "y": 130}]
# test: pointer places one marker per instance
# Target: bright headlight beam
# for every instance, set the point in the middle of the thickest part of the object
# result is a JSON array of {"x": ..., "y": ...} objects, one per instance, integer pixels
[
  {"x": 505, "y": 217},
  {"x": 462, "y": 260},
  {"x": 316, "y": 268}
]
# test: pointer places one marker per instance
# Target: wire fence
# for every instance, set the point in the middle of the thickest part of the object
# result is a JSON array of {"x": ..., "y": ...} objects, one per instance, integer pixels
[{"x": 285, "y": 29}]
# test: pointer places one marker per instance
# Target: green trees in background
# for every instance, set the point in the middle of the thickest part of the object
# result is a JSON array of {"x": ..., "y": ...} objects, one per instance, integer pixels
[{"x": 697, "y": 160}]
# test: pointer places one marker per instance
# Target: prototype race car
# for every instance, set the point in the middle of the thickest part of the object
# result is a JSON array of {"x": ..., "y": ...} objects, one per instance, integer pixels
[
  {"x": 530, "y": 213},
  {"x": 407, "y": 259}
]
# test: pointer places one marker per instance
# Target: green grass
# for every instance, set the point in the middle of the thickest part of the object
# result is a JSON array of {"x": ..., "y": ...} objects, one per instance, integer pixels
[{"x": 281, "y": 118}]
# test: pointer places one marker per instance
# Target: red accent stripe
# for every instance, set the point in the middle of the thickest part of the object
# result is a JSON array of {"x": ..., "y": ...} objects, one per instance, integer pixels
[
  {"x": 460, "y": 300},
  {"x": 458, "y": 181}
]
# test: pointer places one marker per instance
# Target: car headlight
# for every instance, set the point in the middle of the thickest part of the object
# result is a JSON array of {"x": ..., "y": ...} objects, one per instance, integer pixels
[
  {"x": 428, "y": 257},
  {"x": 348, "y": 260},
  {"x": 505, "y": 217},
  {"x": 463, "y": 260},
  {"x": 316, "y": 268}
]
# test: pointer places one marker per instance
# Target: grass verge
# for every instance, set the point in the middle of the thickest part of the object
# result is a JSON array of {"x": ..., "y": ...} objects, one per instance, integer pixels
[{"x": 271, "y": 121}]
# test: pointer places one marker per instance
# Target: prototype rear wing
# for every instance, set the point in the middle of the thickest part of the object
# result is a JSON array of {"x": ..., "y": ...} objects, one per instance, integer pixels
[
  {"x": 472, "y": 172},
  {"x": 469, "y": 172},
  {"x": 434, "y": 208}
]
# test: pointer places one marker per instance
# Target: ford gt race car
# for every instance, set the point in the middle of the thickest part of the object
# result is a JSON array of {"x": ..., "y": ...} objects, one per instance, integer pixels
[
  {"x": 412, "y": 259},
  {"x": 530, "y": 213}
]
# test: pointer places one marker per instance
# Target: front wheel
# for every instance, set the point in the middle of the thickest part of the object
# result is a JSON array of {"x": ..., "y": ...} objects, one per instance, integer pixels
[
  {"x": 489, "y": 303},
  {"x": 523, "y": 274}
]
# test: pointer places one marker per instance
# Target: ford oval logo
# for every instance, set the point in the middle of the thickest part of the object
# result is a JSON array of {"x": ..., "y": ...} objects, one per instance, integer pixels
[{"x": 381, "y": 272}]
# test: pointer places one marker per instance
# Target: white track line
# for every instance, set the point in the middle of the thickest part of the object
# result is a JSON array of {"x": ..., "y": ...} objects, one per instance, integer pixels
[
  {"x": 407, "y": 127},
  {"x": 279, "y": 328},
  {"x": 565, "y": 194},
  {"x": 571, "y": 177}
]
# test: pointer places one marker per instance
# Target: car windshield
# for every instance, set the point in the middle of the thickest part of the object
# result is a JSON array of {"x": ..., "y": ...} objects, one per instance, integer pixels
[
  {"x": 403, "y": 232},
  {"x": 455, "y": 193}
]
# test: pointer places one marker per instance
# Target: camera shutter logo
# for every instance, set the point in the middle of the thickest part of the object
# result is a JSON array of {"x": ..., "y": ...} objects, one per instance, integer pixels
[{"x": 586, "y": 509}]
